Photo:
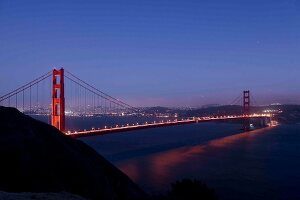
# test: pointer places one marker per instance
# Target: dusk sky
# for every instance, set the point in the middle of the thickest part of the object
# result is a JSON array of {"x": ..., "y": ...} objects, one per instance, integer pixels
[{"x": 158, "y": 52}]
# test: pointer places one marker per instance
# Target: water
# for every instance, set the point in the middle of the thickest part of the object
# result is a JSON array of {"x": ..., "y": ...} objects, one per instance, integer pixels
[{"x": 262, "y": 164}]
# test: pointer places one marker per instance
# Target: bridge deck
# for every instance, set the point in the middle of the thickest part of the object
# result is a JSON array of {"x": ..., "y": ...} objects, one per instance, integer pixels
[{"x": 146, "y": 125}]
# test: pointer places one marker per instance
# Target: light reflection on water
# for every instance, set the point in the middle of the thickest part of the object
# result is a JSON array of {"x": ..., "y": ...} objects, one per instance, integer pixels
[
  {"x": 160, "y": 167},
  {"x": 262, "y": 164}
]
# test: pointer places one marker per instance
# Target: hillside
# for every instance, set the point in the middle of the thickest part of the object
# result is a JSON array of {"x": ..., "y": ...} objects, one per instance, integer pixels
[{"x": 35, "y": 157}]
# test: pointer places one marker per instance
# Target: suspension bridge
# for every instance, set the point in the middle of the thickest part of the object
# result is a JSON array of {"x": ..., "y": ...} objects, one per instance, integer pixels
[{"x": 59, "y": 93}]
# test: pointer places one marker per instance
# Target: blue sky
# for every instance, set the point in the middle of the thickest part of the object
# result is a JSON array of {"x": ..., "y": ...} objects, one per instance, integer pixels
[{"x": 170, "y": 53}]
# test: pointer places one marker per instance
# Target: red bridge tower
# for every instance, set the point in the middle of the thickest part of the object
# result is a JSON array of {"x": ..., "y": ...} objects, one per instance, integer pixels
[
  {"x": 58, "y": 100},
  {"x": 246, "y": 104}
]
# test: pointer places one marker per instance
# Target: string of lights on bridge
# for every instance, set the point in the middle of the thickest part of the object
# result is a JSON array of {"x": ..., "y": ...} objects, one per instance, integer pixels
[{"x": 162, "y": 123}]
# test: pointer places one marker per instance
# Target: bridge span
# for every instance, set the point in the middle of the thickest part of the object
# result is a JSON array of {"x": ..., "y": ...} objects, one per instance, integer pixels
[
  {"x": 156, "y": 124},
  {"x": 81, "y": 97}
]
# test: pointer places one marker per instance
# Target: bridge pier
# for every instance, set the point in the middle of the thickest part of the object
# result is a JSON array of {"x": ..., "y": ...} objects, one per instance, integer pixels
[{"x": 265, "y": 121}]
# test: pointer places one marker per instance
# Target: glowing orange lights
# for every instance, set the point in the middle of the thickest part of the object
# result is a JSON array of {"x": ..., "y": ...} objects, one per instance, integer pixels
[{"x": 129, "y": 127}]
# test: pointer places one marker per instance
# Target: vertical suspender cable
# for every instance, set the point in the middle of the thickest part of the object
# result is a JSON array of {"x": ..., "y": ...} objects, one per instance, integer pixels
[
  {"x": 30, "y": 100},
  {"x": 85, "y": 101},
  {"x": 94, "y": 104},
  {"x": 37, "y": 97},
  {"x": 23, "y": 100},
  {"x": 50, "y": 104},
  {"x": 17, "y": 100}
]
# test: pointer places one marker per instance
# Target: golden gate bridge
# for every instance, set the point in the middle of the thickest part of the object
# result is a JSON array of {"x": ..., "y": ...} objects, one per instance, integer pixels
[{"x": 68, "y": 94}]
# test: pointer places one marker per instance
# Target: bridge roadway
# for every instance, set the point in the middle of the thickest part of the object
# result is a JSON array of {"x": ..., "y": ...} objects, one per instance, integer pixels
[{"x": 146, "y": 125}]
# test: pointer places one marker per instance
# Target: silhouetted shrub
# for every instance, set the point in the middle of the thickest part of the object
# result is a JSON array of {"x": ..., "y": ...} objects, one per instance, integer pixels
[{"x": 188, "y": 189}]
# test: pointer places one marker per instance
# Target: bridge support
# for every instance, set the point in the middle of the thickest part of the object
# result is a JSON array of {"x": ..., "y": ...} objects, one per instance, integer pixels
[
  {"x": 246, "y": 110},
  {"x": 58, "y": 100}
]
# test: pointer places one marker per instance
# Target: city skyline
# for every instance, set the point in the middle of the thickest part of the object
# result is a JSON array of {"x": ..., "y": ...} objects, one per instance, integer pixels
[{"x": 159, "y": 53}]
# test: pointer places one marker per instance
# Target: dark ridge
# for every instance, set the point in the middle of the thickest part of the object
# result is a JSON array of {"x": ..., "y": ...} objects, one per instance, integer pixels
[{"x": 36, "y": 157}]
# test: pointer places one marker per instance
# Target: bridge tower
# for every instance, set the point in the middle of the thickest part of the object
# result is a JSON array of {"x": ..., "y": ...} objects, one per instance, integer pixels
[
  {"x": 58, "y": 99},
  {"x": 246, "y": 110}
]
